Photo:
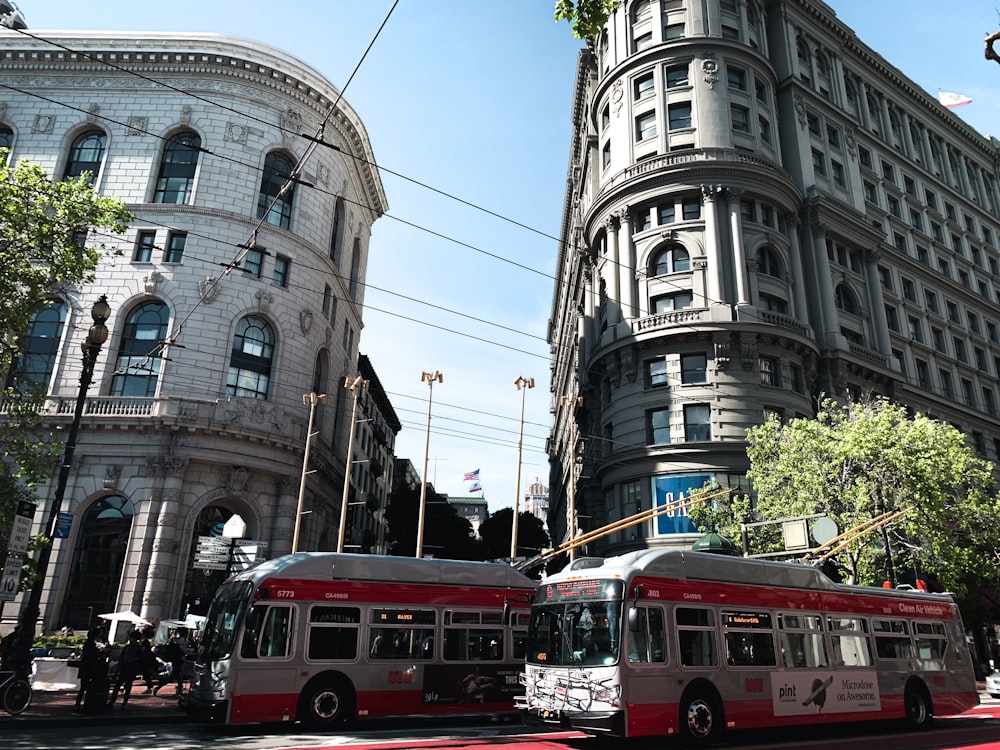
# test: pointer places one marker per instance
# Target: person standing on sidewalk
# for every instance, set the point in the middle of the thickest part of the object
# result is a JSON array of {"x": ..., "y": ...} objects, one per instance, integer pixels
[
  {"x": 175, "y": 651},
  {"x": 129, "y": 666},
  {"x": 93, "y": 666}
]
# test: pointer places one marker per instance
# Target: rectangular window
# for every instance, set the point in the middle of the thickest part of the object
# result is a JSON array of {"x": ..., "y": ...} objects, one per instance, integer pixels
[
  {"x": 673, "y": 31},
  {"x": 819, "y": 162},
  {"x": 770, "y": 371},
  {"x": 765, "y": 129},
  {"x": 645, "y": 126},
  {"x": 606, "y": 155},
  {"x": 690, "y": 209},
  {"x": 849, "y": 640},
  {"x": 656, "y": 372},
  {"x": 658, "y": 426},
  {"x": 694, "y": 368},
  {"x": 696, "y": 637},
  {"x": 645, "y": 642},
  {"x": 838, "y": 173},
  {"x": 644, "y": 86},
  {"x": 401, "y": 634},
  {"x": 174, "y": 251},
  {"x": 737, "y": 78},
  {"x": 888, "y": 172},
  {"x": 677, "y": 76},
  {"x": 679, "y": 115},
  {"x": 749, "y": 639},
  {"x": 282, "y": 269},
  {"x": 916, "y": 330},
  {"x": 253, "y": 263},
  {"x": 675, "y": 301},
  {"x": 145, "y": 241},
  {"x": 741, "y": 118},
  {"x": 333, "y": 633},
  {"x": 696, "y": 423},
  {"x": 909, "y": 290},
  {"x": 666, "y": 213},
  {"x": 643, "y": 41}
]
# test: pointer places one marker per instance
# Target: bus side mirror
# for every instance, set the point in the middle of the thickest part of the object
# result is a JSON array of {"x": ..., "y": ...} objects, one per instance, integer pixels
[{"x": 633, "y": 619}]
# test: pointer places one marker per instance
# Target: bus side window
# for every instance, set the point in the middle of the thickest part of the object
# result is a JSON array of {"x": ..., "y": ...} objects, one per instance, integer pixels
[
  {"x": 274, "y": 640},
  {"x": 647, "y": 644},
  {"x": 696, "y": 636},
  {"x": 251, "y": 632}
]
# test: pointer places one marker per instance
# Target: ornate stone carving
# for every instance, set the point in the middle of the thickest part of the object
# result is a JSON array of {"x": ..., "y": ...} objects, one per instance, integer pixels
[
  {"x": 291, "y": 125},
  {"x": 150, "y": 280},
  {"x": 209, "y": 288},
  {"x": 236, "y": 482},
  {"x": 236, "y": 132},
  {"x": 800, "y": 110},
  {"x": 305, "y": 320},
  {"x": 723, "y": 351},
  {"x": 111, "y": 476},
  {"x": 93, "y": 112},
  {"x": 617, "y": 96},
  {"x": 711, "y": 70},
  {"x": 748, "y": 354},
  {"x": 43, "y": 124},
  {"x": 186, "y": 112},
  {"x": 263, "y": 300},
  {"x": 136, "y": 125}
]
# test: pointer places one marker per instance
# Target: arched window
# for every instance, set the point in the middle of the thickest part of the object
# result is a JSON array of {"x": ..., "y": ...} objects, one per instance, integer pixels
[
  {"x": 274, "y": 206},
  {"x": 6, "y": 138},
  {"x": 845, "y": 300},
  {"x": 177, "y": 169},
  {"x": 98, "y": 561},
  {"x": 670, "y": 259},
  {"x": 41, "y": 345},
  {"x": 337, "y": 236},
  {"x": 250, "y": 364},
  {"x": 200, "y": 585},
  {"x": 769, "y": 263},
  {"x": 137, "y": 370},
  {"x": 86, "y": 156},
  {"x": 640, "y": 11}
]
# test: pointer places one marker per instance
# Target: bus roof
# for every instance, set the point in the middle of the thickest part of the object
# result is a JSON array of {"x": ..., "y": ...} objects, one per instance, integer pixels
[
  {"x": 708, "y": 566},
  {"x": 330, "y": 566}
]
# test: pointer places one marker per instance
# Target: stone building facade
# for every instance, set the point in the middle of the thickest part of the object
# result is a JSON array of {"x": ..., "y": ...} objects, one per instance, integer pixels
[
  {"x": 760, "y": 211},
  {"x": 236, "y": 292}
]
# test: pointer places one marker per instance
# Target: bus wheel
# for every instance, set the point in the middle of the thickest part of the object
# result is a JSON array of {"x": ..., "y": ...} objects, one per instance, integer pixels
[
  {"x": 325, "y": 704},
  {"x": 701, "y": 716},
  {"x": 918, "y": 706}
]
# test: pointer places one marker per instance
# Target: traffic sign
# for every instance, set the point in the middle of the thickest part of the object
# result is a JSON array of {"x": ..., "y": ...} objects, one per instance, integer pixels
[
  {"x": 11, "y": 579},
  {"x": 20, "y": 533}
]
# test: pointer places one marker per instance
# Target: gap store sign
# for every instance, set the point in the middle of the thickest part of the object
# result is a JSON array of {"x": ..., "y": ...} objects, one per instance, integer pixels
[{"x": 672, "y": 489}]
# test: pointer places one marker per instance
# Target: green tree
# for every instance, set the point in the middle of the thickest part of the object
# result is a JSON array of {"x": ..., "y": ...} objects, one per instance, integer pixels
[
  {"x": 447, "y": 535},
  {"x": 586, "y": 16},
  {"x": 495, "y": 532},
  {"x": 44, "y": 248},
  {"x": 856, "y": 461}
]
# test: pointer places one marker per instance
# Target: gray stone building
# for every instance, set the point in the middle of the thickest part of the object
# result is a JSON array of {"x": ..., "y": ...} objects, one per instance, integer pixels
[
  {"x": 760, "y": 211},
  {"x": 237, "y": 292}
]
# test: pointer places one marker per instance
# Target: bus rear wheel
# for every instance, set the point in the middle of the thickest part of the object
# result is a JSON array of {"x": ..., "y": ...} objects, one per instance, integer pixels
[
  {"x": 917, "y": 702},
  {"x": 325, "y": 704},
  {"x": 701, "y": 717}
]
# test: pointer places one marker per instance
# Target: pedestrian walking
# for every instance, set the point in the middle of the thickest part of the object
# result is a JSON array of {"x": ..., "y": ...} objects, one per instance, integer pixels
[
  {"x": 129, "y": 667},
  {"x": 174, "y": 651}
]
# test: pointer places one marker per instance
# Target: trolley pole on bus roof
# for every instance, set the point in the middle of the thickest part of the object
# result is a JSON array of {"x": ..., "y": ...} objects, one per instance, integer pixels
[
  {"x": 354, "y": 385},
  {"x": 312, "y": 399},
  {"x": 429, "y": 378}
]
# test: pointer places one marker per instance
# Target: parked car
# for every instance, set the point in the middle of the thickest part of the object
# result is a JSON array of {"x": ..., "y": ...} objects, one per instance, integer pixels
[{"x": 993, "y": 684}]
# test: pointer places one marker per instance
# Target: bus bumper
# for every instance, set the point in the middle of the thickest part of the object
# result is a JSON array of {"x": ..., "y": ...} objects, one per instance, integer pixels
[{"x": 611, "y": 723}]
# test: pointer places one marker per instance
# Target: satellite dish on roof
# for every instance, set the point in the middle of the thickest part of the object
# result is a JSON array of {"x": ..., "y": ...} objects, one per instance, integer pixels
[{"x": 824, "y": 530}]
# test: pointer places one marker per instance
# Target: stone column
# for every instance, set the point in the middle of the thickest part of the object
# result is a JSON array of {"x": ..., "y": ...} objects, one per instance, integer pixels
[
  {"x": 591, "y": 331},
  {"x": 713, "y": 274},
  {"x": 626, "y": 268},
  {"x": 963, "y": 174},
  {"x": 925, "y": 137},
  {"x": 946, "y": 158},
  {"x": 284, "y": 519},
  {"x": 879, "y": 323},
  {"x": 866, "y": 118},
  {"x": 800, "y": 308},
  {"x": 613, "y": 272},
  {"x": 739, "y": 251},
  {"x": 164, "y": 562},
  {"x": 907, "y": 135},
  {"x": 824, "y": 280}
]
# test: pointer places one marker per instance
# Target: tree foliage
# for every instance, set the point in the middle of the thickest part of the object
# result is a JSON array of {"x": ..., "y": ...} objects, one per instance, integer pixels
[
  {"x": 495, "y": 532},
  {"x": 447, "y": 535},
  {"x": 42, "y": 251},
  {"x": 587, "y": 17},
  {"x": 856, "y": 461}
]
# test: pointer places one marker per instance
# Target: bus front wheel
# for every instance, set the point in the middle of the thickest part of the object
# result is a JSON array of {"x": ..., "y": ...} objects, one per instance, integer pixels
[
  {"x": 326, "y": 704},
  {"x": 918, "y": 706},
  {"x": 701, "y": 717}
]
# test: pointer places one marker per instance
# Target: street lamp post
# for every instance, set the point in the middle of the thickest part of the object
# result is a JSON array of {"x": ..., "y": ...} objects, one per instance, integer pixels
[
  {"x": 522, "y": 384},
  {"x": 429, "y": 378},
  {"x": 312, "y": 399},
  {"x": 354, "y": 385},
  {"x": 20, "y": 656}
]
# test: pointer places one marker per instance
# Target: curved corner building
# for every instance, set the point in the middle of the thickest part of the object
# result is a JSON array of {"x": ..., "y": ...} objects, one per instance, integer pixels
[
  {"x": 232, "y": 299},
  {"x": 759, "y": 211}
]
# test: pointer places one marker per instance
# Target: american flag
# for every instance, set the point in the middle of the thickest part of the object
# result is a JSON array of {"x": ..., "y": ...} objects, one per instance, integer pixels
[{"x": 471, "y": 476}]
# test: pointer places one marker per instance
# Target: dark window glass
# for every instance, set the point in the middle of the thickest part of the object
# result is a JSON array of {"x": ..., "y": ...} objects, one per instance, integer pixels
[
  {"x": 41, "y": 345},
  {"x": 86, "y": 156},
  {"x": 137, "y": 369},
  {"x": 177, "y": 169},
  {"x": 250, "y": 363},
  {"x": 273, "y": 205},
  {"x": 145, "y": 241}
]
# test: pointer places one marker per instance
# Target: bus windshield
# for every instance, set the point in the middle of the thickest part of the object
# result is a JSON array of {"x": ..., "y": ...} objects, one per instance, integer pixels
[
  {"x": 574, "y": 633},
  {"x": 224, "y": 616}
]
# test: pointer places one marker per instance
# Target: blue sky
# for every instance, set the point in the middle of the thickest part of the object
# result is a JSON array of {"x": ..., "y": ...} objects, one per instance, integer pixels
[{"x": 472, "y": 98}]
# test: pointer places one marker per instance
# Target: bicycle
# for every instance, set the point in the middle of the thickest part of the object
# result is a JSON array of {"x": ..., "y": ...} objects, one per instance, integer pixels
[{"x": 15, "y": 693}]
